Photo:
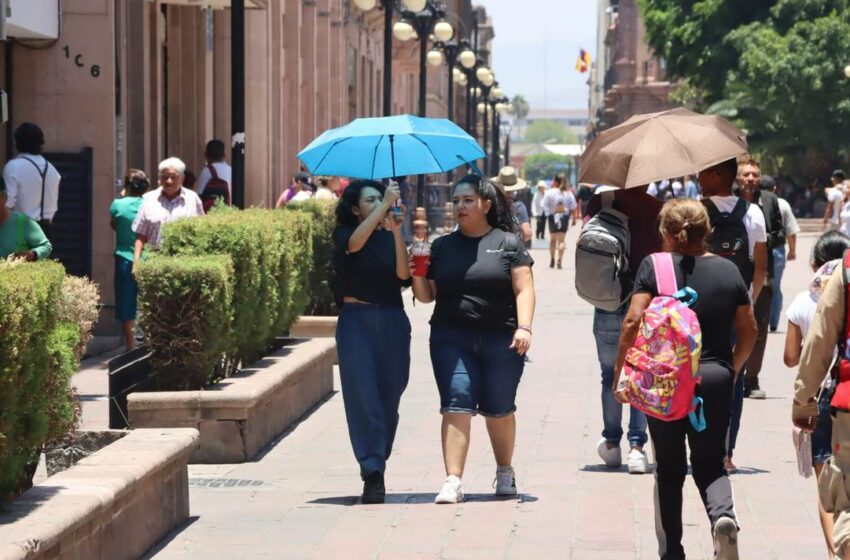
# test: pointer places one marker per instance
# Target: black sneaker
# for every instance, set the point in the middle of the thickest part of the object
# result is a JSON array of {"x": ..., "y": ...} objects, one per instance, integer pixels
[{"x": 374, "y": 491}]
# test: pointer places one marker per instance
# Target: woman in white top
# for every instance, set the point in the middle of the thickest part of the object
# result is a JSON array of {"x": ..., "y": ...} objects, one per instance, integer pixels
[
  {"x": 844, "y": 213},
  {"x": 826, "y": 256}
]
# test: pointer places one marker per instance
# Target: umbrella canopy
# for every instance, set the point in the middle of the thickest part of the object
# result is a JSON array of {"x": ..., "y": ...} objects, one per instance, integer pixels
[
  {"x": 658, "y": 146},
  {"x": 390, "y": 147}
]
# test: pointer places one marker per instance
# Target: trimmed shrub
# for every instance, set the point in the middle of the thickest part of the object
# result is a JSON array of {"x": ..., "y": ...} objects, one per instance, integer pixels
[
  {"x": 78, "y": 304},
  {"x": 37, "y": 359},
  {"x": 251, "y": 244},
  {"x": 186, "y": 314},
  {"x": 294, "y": 238},
  {"x": 322, "y": 271}
]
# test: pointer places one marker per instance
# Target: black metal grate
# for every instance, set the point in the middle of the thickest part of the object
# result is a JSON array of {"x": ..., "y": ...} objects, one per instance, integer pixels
[{"x": 72, "y": 225}]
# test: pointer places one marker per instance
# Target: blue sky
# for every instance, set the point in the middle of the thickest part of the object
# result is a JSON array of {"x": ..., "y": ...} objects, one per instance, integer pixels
[{"x": 525, "y": 30}]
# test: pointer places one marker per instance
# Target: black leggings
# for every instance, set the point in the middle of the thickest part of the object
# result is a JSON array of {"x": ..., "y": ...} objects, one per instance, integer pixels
[{"x": 708, "y": 449}]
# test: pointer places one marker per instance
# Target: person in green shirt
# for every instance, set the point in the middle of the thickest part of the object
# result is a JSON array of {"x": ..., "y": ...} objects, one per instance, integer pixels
[
  {"x": 123, "y": 211},
  {"x": 19, "y": 234}
]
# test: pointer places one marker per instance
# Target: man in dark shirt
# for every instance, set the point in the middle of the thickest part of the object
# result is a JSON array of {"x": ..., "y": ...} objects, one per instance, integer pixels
[{"x": 642, "y": 211}]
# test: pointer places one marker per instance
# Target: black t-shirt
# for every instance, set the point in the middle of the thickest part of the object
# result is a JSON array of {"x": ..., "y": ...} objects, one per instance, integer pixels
[
  {"x": 720, "y": 291},
  {"x": 369, "y": 274},
  {"x": 473, "y": 277}
]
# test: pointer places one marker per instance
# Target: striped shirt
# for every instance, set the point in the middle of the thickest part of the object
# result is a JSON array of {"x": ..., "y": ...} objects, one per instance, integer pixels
[{"x": 157, "y": 210}]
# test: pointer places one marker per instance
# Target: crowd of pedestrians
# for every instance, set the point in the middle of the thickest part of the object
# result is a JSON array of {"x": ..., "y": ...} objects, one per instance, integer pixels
[{"x": 728, "y": 237}]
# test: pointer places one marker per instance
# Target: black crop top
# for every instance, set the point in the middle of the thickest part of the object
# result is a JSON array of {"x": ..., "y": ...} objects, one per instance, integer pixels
[{"x": 369, "y": 274}]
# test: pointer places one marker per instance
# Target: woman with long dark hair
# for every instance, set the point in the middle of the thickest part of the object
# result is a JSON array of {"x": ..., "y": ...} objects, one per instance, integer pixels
[
  {"x": 373, "y": 332},
  {"x": 480, "y": 277}
]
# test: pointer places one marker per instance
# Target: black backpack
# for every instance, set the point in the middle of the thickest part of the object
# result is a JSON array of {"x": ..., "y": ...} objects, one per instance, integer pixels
[
  {"x": 729, "y": 237},
  {"x": 773, "y": 219}
]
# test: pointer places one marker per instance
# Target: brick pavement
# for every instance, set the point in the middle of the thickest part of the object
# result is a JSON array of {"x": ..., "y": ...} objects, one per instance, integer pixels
[{"x": 299, "y": 498}]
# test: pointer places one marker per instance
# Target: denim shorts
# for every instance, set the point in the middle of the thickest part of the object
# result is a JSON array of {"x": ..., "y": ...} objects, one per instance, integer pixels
[
  {"x": 475, "y": 372},
  {"x": 822, "y": 435}
]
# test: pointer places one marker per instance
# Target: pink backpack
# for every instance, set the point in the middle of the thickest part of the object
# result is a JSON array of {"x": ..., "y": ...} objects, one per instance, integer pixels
[{"x": 661, "y": 368}]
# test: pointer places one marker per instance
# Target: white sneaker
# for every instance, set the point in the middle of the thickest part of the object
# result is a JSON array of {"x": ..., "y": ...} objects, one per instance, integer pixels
[
  {"x": 612, "y": 457},
  {"x": 638, "y": 462},
  {"x": 452, "y": 492},
  {"x": 505, "y": 481},
  {"x": 726, "y": 539}
]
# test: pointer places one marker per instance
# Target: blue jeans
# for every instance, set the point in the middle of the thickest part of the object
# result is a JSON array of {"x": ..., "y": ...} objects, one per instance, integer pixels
[
  {"x": 476, "y": 373},
  {"x": 778, "y": 270},
  {"x": 373, "y": 345},
  {"x": 606, "y": 331}
]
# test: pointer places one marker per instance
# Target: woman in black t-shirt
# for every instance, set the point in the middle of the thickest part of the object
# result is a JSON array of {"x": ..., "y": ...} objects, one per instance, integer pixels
[
  {"x": 373, "y": 333},
  {"x": 480, "y": 277},
  {"x": 723, "y": 302}
]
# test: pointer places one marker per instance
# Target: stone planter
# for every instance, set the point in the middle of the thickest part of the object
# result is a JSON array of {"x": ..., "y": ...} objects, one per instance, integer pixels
[
  {"x": 116, "y": 503},
  {"x": 315, "y": 327},
  {"x": 238, "y": 416}
]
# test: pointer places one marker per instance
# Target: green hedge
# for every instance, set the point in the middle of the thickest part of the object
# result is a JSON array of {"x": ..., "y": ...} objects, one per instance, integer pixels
[
  {"x": 252, "y": 244},
  {"x": 321, "y": 273},
  {"x": 37, "y": 360},
  {"x": 294, "y": 235},
  {"x": 186, "y": 313}
]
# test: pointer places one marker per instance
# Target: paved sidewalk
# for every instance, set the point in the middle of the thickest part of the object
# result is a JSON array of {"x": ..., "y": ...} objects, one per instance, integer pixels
[{"x": 299, "y": 498}]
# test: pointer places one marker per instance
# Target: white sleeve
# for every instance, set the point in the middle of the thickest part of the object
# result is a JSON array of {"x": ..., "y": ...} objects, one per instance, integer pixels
[
  {"x": 571, "y": 202},
  {"x": 789, "y": 222},
  {"x": 203, "y": 179},
  {"x": 795, "y": 309},
  {"x": 11, "y": 186}
]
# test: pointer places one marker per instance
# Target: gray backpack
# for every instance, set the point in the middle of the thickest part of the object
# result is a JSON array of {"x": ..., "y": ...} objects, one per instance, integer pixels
[{"x": 602, "y": 258}]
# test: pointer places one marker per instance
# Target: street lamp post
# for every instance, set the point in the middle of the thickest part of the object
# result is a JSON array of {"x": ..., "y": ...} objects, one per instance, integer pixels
[
  {"x": 428, "y": 18},
  {"x": 388, "y": 6}
]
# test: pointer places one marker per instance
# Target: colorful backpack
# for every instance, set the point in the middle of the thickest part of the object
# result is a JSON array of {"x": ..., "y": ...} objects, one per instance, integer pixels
[
  {"x": 661, "y": 368},
  {"x": 216, "y": 188}
]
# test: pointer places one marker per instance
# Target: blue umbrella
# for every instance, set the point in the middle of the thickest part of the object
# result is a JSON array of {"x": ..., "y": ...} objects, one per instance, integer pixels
[{"x": 390, "y": 147}]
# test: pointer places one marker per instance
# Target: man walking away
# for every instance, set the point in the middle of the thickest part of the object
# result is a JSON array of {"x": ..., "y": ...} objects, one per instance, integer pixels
[
  {"x": 216, "y": 179},
  {"x": 732, "y": 220},
  {"x": 834, "y": 200},
  {"x": 642, "y": 212},
  {"x": 749, "y": 178},
  {"x": 537, "y": 210},
  {"x": 790, "y": 229},
  {"x": 691, "y": 188},
  {"x": 32, "y": 183}
]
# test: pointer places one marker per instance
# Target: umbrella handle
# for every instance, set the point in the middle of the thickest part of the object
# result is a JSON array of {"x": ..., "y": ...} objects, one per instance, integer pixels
[{"x": 392, "y": 152}]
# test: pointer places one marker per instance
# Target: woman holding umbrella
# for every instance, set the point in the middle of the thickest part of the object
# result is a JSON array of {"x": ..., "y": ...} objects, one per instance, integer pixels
[
  {"x": 480, "y": 277},
  {"x": 373, "y": 332}
]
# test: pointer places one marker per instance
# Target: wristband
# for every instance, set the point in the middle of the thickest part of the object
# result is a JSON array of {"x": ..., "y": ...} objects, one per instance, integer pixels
[{"x": 526, "y": 328}]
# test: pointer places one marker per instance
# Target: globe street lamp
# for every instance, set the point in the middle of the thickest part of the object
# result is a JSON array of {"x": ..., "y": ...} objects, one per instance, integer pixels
[
  {"x": 498, "y": 104},
  {"x": 387, "y": 6},
  {"x": 424, "y": 17},
  {"x": 847, "y": 70}
]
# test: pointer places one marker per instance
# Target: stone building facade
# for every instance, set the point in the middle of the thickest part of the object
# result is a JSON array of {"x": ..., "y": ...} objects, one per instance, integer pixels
[
  {"x": 626, "y": 78},
  {"x": 130, "y": 82}
]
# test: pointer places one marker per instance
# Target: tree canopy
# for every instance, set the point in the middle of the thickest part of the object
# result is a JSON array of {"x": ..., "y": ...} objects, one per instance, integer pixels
[
  {"x": 775, "y": 67},
  {"x": 521, "y": 106},
  {"x": 549, "y": 131},
  {"x": 545, "y": 166}
]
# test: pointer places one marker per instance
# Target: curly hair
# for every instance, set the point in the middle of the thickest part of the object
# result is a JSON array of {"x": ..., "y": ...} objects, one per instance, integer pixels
[
  {"x": 500, "y": 215},
  {"x": 351, "y": 198},
  {"x": 136, "y": 182}
]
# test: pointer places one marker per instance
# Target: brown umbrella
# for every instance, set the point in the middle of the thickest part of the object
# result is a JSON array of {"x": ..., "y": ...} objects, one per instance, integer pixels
[{"x": 658, "y": 146}]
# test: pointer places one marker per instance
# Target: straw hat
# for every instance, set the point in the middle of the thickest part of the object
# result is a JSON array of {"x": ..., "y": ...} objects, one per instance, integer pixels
[{"x": 509, "y": 180}]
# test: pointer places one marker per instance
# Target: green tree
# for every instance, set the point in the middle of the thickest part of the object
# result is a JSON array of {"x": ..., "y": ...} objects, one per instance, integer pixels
[
  {"x": 690, "y": 35},
  {"x": 521, "y": 106},
  {"x": 545, "y": 166},
  {"x": 775, "y": 67},
  {"x": 549, "y": 131}
]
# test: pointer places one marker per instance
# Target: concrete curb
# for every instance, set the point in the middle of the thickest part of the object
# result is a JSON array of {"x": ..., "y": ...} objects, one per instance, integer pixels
[
  {"x": 237, "y": 417},
  {"x": 115, "y": 503},
  {"x": 315, "y": 327}
]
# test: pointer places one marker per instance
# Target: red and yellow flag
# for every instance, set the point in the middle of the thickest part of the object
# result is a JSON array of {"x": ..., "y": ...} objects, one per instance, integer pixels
[{"x": 583, "y": 62}]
